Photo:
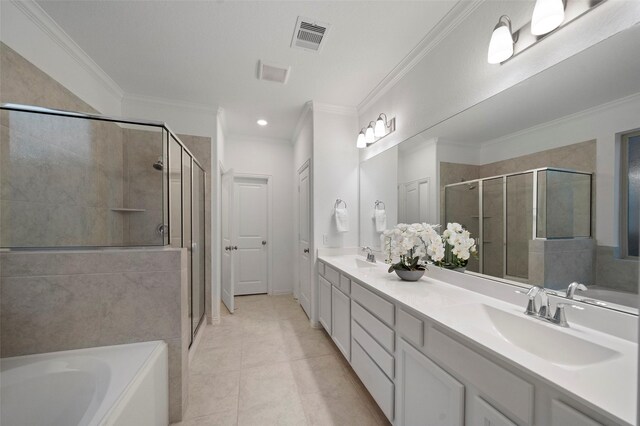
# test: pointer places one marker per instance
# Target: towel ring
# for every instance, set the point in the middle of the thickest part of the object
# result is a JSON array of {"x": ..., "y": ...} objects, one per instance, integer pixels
[
  {"x": 338, "y": 202},
  {"x": 377, "y": 205}
]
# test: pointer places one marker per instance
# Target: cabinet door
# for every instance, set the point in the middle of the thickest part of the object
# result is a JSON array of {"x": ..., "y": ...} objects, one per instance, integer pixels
[
  {"x": 324, "y": 303},
  {"x": 341, "y": 322},
  {"x": 563, "y": 415},
  {"x": 483, "y": 414},
  {"x": 427, "y": 395}
]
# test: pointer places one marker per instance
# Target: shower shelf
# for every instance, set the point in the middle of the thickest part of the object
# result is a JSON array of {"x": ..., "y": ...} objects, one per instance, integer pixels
[{"x": 123, "y": 210}]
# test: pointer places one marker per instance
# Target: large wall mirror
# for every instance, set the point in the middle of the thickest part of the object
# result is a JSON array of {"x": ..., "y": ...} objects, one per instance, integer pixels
[{"x": 545, "y": 175}]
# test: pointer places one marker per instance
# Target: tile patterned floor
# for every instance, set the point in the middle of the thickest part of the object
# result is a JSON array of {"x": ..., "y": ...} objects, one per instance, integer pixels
[{"x": 264, "y": 365}]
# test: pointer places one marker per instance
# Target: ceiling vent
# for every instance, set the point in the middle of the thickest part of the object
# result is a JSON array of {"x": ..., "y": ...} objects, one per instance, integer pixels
[
  {"x": 309, "y": 34},
  {"x": 275, "y": 73}
]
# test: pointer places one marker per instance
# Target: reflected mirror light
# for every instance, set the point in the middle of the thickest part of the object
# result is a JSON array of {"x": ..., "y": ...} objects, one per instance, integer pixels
[{"x": 547, "y": 16}]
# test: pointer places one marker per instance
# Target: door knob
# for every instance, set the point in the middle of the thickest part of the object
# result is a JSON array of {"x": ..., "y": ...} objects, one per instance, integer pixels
[
  {"x": 306, "y": 250},
  {"x": 264, "y": 243}
]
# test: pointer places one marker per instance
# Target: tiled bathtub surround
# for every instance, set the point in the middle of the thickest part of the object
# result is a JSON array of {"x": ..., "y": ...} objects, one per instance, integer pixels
[{"x": 52, "y": 301}]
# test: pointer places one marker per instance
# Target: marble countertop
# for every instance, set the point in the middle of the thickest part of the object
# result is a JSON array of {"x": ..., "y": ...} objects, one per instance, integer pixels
[{"x": 608, "y": 387}]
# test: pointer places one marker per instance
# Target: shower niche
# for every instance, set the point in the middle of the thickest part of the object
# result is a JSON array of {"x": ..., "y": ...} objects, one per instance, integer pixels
[
  {"x": 74, "y": 180},
  {"x": 532, "y": 226}
]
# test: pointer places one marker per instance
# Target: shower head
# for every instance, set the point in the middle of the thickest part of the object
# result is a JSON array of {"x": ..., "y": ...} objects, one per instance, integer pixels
[{"x": 158, "y": 165}]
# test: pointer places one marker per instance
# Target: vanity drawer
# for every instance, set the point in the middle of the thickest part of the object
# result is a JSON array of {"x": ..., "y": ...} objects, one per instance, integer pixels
[
  {"x": 372, "y": 325},
  {"x": 380, "y": 387},
  {"x": 345, "y": 284},
  {"x": 374, "y": 303},
  {"x": 411, "y": 327},
  {"x": 321, "y": 268},
  {"x": 510, "y": 392},
  {"x": 332, "y": 275},
  {"x": 381, "y": 357}
]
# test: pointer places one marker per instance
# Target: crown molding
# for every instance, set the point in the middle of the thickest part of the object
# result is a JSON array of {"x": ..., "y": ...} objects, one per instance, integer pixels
[
  {"x": 334, "y": 109},
  {"x": 567, "y": 118},
  {"x": 51, "y": 29},
  {"x": 453, "y": 18},
  {"x": 171, "y": 103},
  {"x": 306, "y": 109}
]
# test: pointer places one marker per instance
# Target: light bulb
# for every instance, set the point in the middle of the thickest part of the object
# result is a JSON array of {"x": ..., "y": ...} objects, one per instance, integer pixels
[
  {"x": 547, "y": 16},
  {"x": 262, "y": 122},
  {"x": 361, "y": 143},
  {"x": 380, "y": 130},
  {"x": 501, "y": 44},
  {"x": 369, "y": 135}
]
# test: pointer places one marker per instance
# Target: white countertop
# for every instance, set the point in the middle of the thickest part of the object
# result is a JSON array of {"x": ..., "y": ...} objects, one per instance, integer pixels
[{"x": 608, "y": 387}]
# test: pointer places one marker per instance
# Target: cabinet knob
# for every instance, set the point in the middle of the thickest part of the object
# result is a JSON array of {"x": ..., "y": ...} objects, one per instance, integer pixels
[{"x": 306, "y": 250}]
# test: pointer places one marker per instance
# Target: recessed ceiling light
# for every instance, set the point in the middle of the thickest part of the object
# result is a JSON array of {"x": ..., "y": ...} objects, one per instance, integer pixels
[{"x": 262, "y": 122}]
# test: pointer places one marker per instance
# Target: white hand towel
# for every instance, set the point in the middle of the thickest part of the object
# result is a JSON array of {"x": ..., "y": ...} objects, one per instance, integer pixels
[
  {"x": 380, "y": 217},
  {"x": 342, "y": 220}
]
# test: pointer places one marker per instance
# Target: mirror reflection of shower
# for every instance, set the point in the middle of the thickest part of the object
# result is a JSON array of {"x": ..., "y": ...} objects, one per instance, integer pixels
[{"x": 159, "y": 165}]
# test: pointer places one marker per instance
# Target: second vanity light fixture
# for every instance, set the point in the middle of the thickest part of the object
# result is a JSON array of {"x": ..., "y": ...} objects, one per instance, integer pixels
[
  {"x": 376, "y": 131},
  {"x": 547, "y": 16}
]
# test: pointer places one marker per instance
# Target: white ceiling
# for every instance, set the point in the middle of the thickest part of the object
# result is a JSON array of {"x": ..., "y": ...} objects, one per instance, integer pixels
[{"x": 207, "y": 52}]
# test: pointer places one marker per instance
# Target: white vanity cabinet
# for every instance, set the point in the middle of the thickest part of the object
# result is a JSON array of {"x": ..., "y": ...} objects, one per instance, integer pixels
[
  {"x": 426, "y": 395},
  {"x": 341, "y": 321},
  {"x": 324, "y": 303},
  {"x": 421, "y": 373}
]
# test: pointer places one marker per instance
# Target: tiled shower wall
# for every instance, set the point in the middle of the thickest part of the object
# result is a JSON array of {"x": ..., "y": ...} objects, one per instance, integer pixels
[
  {"x": 59, "y": 177},
  {"x": 55, "y": 300}
]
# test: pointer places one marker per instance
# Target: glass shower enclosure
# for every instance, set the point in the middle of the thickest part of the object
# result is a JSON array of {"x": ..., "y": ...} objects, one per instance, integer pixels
[
  {"x": 507, "y": 213},
  {"x": 75, "y": 180}
]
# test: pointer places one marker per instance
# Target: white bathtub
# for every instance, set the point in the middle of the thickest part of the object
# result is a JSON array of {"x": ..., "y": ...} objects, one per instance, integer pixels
[{"x": 110, "y": 385}]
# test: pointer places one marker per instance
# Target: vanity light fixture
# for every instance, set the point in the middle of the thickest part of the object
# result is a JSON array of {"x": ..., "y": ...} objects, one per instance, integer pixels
[
  {"x": 376, "y": 130},
  {"x": 262, "y": 122},
  {"x": 502, "y": 40},
  {"x": 361, "y": 143},
  {"x": 382, "y": 124},
  {"x": 369, "y": 134},
  {"x": 547, "y": 16}
]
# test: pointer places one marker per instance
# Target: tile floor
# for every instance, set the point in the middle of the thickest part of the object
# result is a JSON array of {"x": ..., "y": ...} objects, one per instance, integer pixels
[{"x": 264, "y": 365}]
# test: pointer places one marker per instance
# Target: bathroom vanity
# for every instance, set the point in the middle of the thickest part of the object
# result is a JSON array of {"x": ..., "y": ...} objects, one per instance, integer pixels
[{"x": 437, "y": 353}]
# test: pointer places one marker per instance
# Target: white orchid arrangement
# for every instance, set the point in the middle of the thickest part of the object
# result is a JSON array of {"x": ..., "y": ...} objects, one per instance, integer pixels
[
  {"x": 412, "y": 246},
  {"x": 458, "y": 247}
]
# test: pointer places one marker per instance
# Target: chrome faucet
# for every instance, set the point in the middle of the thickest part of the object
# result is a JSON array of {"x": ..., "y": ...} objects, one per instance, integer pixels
[
  {"x": 370, "y": 256},
  {"x": 544, "y": 311},
  {"x": 571, "y": 290}
]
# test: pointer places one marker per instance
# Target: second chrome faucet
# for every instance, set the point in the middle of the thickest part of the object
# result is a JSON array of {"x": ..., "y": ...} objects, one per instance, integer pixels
[{"x": 543, "y": 312}]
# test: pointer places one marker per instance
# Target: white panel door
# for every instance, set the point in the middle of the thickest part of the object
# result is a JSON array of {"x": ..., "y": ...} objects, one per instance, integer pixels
[
  {"x": 423, "y": 196},
  {"x": 251, "y": 230},
  {"x": 412, "y": 200},
  {"x": 427, "y": 395},
  {"x": 304, "y": 239},
  {"x": 227, "y": 248}
]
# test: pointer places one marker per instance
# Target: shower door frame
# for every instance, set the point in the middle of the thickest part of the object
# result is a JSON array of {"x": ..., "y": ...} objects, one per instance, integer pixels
[
  {"x": 534, "y": 235},
  {"x": 167, "y": 134}
]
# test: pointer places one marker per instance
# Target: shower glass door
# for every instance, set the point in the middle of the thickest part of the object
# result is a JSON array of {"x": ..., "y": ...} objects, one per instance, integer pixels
[{"x": 198, "y": 249}]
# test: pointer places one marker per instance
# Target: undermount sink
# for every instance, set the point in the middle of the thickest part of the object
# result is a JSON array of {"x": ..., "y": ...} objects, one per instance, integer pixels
[
  {"x": 362, "y": 264},
  {"x": 532, "y": 335}
]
